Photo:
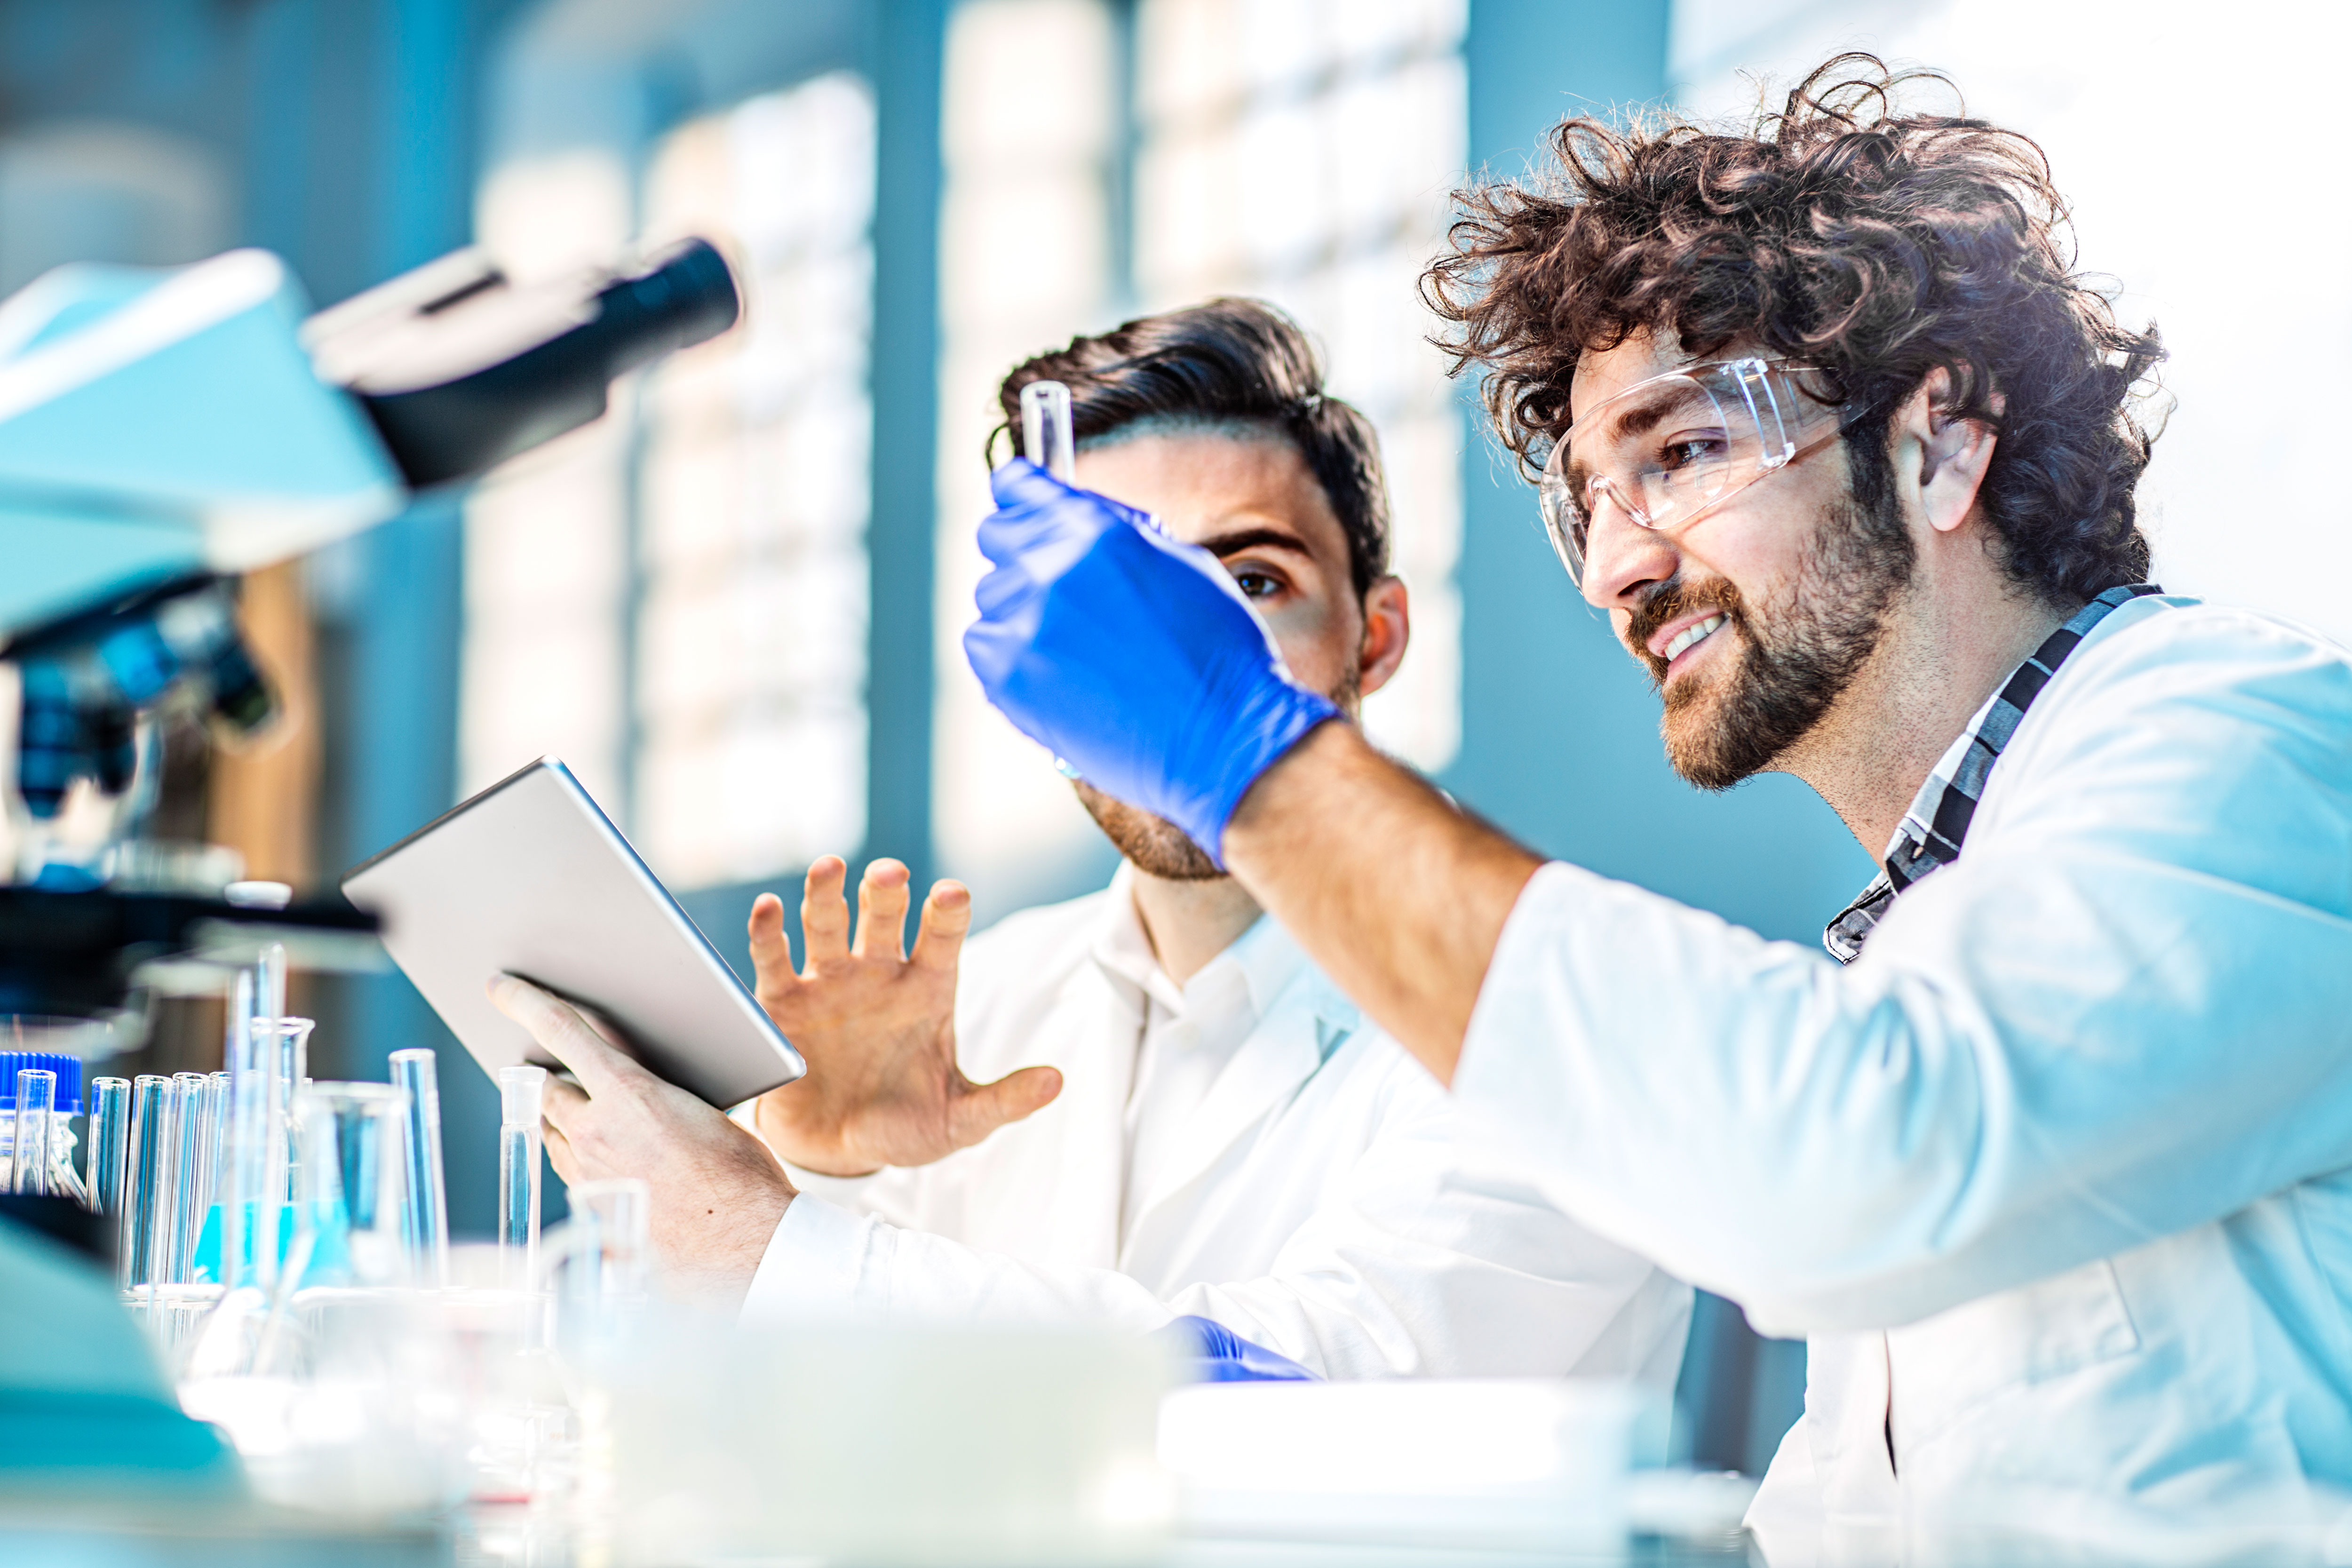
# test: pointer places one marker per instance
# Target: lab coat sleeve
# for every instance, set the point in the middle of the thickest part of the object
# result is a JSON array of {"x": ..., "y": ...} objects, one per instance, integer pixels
[
  {"x": 825, "y": 1261},
  {"x": 2125, "y": 1011},
  {"x": 1413, "y": 1267},
  {"x": 1438, "y": 1264}
]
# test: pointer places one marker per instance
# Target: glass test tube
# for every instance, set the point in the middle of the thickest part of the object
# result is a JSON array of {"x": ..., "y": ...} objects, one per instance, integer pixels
[
  {"x": 1045, "y": 437},
  {"x": 522, "y": 1093},
  {"x": 1046, "y": 441},
  {"x": 217, "y": 1105},
  {"x": 428, "y": 1202},
  {"x": 149, "y": 1196},
  {"x": 270, "y": 981},
  {"x": 110, "y": 1142},
  {"x": 255, "y": 1155},
  {"x": 293, "y": 1036},
  {"x": 192, "y": 1188},
  {"x": 37, "y": 1099}
]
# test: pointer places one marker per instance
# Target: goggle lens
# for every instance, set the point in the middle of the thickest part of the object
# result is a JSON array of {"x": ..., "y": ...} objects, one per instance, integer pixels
[{"x": 1666, "y": 450}]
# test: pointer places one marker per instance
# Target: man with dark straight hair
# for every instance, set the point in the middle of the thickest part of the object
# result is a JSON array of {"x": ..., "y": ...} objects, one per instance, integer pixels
[
  {"x": 2047, "y": 1153},
  {"x": 1191, "y": 1121}
]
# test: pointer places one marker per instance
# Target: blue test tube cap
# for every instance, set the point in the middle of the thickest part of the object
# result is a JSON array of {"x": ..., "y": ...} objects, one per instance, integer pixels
[{"x": 68, "y": 1068}]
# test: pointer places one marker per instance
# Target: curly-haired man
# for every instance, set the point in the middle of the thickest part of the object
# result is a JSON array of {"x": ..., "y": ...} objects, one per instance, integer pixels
[{"x": 2046, "y": 1155}]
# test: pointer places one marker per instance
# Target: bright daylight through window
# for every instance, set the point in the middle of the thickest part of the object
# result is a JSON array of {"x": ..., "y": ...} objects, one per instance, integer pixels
[
  {"x": 1301, "y": 151},
  {"x": 676, "y": 601}
]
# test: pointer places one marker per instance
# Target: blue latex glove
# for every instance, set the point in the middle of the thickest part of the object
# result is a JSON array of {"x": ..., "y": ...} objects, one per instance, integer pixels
[
  {"x": 1214, "y": 1353},
  {"x": 1134, "y": 657}
]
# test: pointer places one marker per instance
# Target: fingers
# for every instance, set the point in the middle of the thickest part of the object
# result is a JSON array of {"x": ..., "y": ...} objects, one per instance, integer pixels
[
  {"x": 560, "y": 1155},
  {"x": 560, "y": 1103},
  {"x": 1018, "y": 482},
  {"x": 989, "y": 1106},
  {"x": 882, "y": 911},
  {"x": 947, "y": 919},
  {"x": 824, "y": 914},
  {"x": 772, "y": 950},
  {"x": 563, "y": 1033}
]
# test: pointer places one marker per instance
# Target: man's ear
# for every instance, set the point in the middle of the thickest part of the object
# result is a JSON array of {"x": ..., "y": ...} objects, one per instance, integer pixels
[
  {"x": 1388, "y": 627},
  {"x": 1954, "y": 453}
]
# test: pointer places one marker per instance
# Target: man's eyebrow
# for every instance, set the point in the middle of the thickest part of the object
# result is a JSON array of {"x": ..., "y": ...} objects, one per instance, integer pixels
[
  {"x": 1252, "y": 539},
  {"x": 1637, "y": 419}
]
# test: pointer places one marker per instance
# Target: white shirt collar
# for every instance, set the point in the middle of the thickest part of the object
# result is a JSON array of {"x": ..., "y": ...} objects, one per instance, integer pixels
[{"x": 1262, "y": 960}]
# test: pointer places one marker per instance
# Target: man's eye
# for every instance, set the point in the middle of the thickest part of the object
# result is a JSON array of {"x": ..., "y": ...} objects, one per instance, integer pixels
[
  {"x": 1686, "y": 451},
  {"x": 1256, "y": 585}
]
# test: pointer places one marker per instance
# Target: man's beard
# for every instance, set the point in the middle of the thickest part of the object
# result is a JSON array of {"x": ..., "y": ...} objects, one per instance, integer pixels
[
  {"x": 1796, "y": 658},
  {"x": 1157, "y": 846}
]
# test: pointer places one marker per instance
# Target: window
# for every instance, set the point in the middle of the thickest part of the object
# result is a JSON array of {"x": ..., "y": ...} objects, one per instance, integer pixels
[
  {"x": 1303, "y": 151},
  {"x": 750, "y": 626},
  {"x": 676, "y": 599},
  {"x": 1028, "y": 141}
]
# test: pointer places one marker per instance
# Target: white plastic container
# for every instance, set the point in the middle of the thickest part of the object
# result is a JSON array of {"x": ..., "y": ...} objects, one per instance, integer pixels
[
  {"x": 983, "y": 1448},
  {"x": 1509, "y": 1465}
]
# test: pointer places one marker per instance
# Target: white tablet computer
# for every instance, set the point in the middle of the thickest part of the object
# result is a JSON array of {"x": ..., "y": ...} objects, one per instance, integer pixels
[{"x": 530, "y": 878}]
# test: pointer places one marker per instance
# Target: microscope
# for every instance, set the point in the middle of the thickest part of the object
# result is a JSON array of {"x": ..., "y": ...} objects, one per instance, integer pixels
[{"x": 162, "y": 431}]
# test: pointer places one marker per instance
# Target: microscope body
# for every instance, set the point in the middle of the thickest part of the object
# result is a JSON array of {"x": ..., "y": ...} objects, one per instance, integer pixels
[{"x": 163, "y": 431}]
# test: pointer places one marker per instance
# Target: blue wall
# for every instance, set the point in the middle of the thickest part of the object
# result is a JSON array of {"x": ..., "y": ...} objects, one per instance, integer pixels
[{"x": 1560, "y": 726}]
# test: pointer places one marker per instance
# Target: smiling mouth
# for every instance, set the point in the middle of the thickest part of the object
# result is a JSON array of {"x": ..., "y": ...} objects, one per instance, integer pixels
[{"x": 1691, "y": 636}]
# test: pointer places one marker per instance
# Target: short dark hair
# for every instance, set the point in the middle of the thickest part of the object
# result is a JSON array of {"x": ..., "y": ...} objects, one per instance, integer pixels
[
  {"x": 1880, "y": 245},
  {"x": 1228, "y": 361}
]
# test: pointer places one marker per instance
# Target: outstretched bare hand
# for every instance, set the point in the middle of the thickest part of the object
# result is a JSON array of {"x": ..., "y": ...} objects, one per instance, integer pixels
[{"x": 878, "y": 1028}]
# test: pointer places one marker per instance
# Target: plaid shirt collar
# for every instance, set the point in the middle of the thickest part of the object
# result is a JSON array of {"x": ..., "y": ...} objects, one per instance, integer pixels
[{"x": 1931, "y": 832}]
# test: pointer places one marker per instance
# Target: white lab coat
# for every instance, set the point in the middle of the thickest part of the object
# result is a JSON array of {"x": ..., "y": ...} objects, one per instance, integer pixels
[
  {"x": 2058, "y": 1175},
  {"x": 1313, "y": 1204}
]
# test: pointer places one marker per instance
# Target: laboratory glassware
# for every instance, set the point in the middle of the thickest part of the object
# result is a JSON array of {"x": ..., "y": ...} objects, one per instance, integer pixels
[
  {"x": 192, "y": 1193},
  {"x": 1045, "y": 437},
  {"x": 148, "y": 1207},
  {"x": 217, "y": 1108},
  {"x": 255, "y": 1157},
  {"x": 354, "y": 1207},
  {"x": 522, "y": 1093},
  {"x": 608, "y": 1243},
  {"x": 428, "y": 1205},
  {"x": 110, "y": 1142},
  {"x": 293, "y": 1044},
  {"x": 36, "y": 1112},
  {"x": 36, "y": 1100},
  {"x": 270, "y": 981},
  {"x": 1046, "y": 441}
]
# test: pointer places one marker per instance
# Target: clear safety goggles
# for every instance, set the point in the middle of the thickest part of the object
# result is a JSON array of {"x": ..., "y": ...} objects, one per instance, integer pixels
[{"x": 1667, "y": 450}]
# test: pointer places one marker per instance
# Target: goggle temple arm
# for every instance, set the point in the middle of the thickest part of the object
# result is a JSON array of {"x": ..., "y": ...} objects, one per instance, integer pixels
[{"x": 1770, "y": 420}]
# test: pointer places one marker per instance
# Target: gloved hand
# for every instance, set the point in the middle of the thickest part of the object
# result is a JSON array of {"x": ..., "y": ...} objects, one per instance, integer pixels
[
  {"x": 1132, "y": 656},
  {"x": 1214, "y": 1353}
]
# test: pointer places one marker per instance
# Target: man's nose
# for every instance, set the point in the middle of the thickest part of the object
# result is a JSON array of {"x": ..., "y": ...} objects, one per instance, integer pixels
[{"x": 1621, "y": 558}]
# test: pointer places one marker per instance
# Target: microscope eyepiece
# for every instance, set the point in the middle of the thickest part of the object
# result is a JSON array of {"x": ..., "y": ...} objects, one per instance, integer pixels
[{"x": 460, "y": 369}]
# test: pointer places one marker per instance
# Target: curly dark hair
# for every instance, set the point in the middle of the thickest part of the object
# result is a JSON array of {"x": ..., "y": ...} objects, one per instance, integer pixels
[
  {"x": 1237, "y": 362},
  {"x": 1878, "y": 245}
]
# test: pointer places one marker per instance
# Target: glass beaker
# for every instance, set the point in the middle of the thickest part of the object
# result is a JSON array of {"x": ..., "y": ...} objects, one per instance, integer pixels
[
  {"x": 352, "y": 1212},
  {"x": 604, "y": 1253}
]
